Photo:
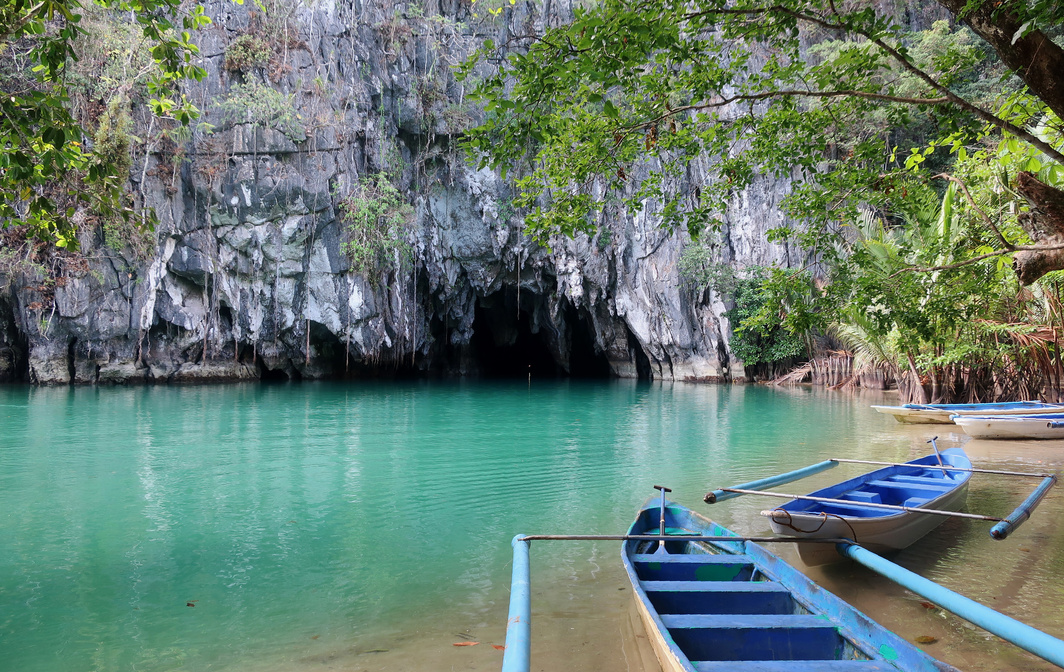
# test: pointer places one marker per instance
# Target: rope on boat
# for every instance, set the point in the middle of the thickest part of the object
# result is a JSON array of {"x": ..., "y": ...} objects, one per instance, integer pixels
[
  {"x": 874, "y": 505},
  {"x": 825, "y": 516}
]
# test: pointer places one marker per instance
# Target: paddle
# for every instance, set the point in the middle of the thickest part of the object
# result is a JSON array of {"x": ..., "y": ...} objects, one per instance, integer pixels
[
  {"x": 938, "y": 455},
  {"x": 661, "y": 542}
]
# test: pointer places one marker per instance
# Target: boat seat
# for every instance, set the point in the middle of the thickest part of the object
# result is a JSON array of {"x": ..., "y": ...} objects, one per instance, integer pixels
[
  {"x": 789, "y": 666},
  {"x": 864, "y": 496},
  {"x": 919, "y": 480},
  {"x": 925, "y": 487},
  {"x": 731, "y": 637},
  {"x": 719, "y": 597},
  {"x": 692, "y": 567}
]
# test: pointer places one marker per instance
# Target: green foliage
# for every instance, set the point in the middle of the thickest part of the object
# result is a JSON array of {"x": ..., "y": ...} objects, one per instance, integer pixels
[
  {"x": 114, "y": 137},
  {"x": 699, "y": 267},
  {"x": 625, "y": 88},
  {"x": 491, "y": 8},
  {"x": 112, "y": 55},
  {"x": 44, "y": 165},
  {"x": 111, "y": 146},
  {"x": 246, "y": 52},
  {"x": 261, "y": 105},
  {"x": 761, "y": 336},
  {"x": 376, "y": 224}
]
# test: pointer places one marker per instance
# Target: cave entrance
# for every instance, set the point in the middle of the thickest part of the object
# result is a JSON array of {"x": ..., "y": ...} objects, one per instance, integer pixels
[{"x": 504, "y": 344}]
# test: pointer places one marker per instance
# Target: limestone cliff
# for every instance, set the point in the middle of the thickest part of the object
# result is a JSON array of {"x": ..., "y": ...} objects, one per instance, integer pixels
[{"x": 250, "y": 271}]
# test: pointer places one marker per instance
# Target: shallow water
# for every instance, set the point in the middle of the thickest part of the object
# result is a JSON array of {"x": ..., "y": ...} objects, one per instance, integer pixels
[{"x": 366, "y": 526}]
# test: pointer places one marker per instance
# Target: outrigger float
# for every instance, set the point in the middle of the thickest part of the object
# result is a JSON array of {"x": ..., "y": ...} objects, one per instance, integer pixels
[
  {"x": 884, "y": 510},
  {"x": 712, "y": 600}
]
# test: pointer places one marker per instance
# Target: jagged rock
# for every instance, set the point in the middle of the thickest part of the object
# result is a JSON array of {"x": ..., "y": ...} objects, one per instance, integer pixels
[
  {"x": 250, "y": 277},
  {"x": 212, "y": 372}
]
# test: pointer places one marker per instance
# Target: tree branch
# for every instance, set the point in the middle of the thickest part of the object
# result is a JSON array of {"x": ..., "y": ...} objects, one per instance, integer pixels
[
  {"x": 894, "y": 54},
  {"x": 791, "y": 93},
  {"x": 981, "y": 257}
]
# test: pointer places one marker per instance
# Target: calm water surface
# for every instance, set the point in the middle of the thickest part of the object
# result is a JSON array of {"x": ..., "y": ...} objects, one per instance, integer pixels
[{"x": 367, "y": 526}]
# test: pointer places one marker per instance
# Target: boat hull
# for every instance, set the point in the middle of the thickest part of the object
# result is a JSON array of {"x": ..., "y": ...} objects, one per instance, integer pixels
[
  {"x": 734, "y": 606},
  {"x": 921, "y": 485},
  {"x": 941, "y": 414},
  {"x": 1012, "y": 427}
]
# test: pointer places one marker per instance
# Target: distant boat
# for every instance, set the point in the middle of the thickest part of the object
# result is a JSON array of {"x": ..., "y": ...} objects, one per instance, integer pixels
[
  {"x": 941, "y": 413},
  {"x": 732, "y": 605},
  {"x": 872, "y": 508},
  {"x": 1034, "y": 426}
]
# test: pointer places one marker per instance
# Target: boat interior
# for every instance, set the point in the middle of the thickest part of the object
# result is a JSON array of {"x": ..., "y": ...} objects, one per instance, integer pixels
[
  {"x": 724, "y": 614},
  {"x": 911, "y": 488}
]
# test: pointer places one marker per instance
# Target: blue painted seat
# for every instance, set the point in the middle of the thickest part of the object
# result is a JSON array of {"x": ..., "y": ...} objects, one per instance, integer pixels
[
  {"x": 864, "y": 496},
  {"x": 933, "y": 489},
  {"x": 651, "y": 567},
  {"x": 917, "y": 480},
  {"x": 788, "y": 666},
  {"x": 719, "y": 597},
  {"x": 748, "y": 636}
]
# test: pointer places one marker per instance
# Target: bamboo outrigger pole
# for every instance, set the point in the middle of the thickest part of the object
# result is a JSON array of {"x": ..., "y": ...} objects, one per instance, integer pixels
[{"x": 1022, "y": 635}]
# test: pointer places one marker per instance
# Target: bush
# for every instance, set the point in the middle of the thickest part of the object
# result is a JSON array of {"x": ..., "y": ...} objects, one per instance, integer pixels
[
  {"x": 760, "y": 338},
  {"x": 246, "y": 52},
  {"x": 376, "y": 221},
  {"x": 258, "y": 104}
]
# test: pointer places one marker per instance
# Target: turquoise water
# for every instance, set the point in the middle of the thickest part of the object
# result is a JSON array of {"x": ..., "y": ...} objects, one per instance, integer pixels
[{"x": 347, "y": 526}]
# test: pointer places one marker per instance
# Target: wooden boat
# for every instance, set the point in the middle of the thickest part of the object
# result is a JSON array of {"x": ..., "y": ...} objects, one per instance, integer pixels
[
  {"x": 1036, "y": 426},
  {"x": 856, "y": 508},
  {"x": 941, "y": 413},
  {"x": 732, "y": 605}
]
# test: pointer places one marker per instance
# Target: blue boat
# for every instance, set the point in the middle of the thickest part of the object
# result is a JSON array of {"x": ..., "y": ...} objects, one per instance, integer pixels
[
  {"x": 940, "y": 413},
  {"x": 883, "y": 510},
  {"x": 712, "y": 604}
]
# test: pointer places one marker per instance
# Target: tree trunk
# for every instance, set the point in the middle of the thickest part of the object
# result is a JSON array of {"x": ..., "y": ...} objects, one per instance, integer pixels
[
  {"x": 1035, "y": 58},
  {"x": 1044, "y": 222}
]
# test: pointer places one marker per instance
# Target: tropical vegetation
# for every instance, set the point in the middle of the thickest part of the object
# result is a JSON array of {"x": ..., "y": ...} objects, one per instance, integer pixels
[
  {"x": 49, "y": 105},
  {"x": 927, "y": 164}
]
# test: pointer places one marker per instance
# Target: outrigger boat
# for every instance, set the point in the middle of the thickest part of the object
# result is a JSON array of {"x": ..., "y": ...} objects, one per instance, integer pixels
[
  {"x": 1039, "y": 426},
  {"x": 884, "y": 510},
  {"x": 712, "y": 600},
  {"x": 711, "y": 604},
  {"x": 852, "y": 509},
  {"x": 941, "y": 413}
]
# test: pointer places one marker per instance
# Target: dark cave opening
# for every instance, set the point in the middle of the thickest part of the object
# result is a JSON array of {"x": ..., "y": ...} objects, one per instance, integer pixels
[
  {"x": 504, "y": 345},
  {"x": 267, "y": 375},
  {"x": 584, "y": 361},
  {"x": 527, "y": 355}
]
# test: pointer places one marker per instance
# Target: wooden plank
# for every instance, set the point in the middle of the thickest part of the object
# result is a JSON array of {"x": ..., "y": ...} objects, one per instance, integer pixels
[
  {"x": 719, "y": 597},
  {"x": 755, "y": 637},
  {"x": 793, "y": 666}
]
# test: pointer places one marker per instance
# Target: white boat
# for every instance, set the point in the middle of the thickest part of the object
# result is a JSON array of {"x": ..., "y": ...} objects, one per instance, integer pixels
[
  {"x": 1035, "y": 426},
  {"x": 869, "y": 508},
  {"x": 942, "y": 413}
]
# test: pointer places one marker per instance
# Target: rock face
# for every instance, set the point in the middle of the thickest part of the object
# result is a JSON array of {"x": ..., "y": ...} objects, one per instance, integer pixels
[{"x": 251, "y": 273}]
